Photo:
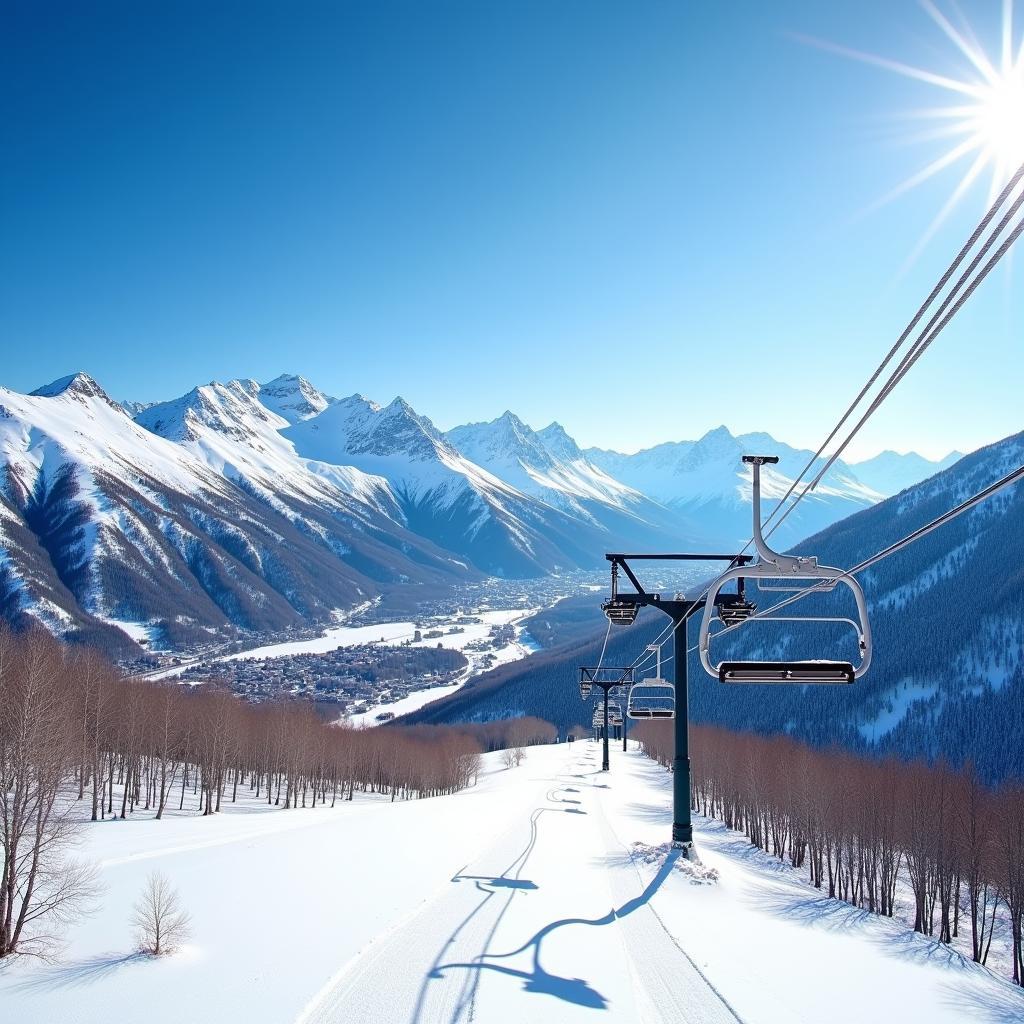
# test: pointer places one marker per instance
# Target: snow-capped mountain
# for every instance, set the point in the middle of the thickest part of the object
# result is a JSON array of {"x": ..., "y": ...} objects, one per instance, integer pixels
[
  {"x": 890, "y": 472},
  {"x": 706, "y": 482},
  {"x": 549, "y": 466},
  {"x": 444, "y": 495},
  {"x": 232, "y": 429},
  {"x": 293, "y": 398},
  {"x": 134, "y": 408},
  {"x": 103, "y": 520},
  {"x": 242, "y": 505},
  {"x": 515, "y": 453}
]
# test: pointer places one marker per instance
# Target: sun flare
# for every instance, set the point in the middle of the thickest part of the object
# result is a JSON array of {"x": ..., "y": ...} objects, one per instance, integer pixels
[{"x": 984, "y": 126}]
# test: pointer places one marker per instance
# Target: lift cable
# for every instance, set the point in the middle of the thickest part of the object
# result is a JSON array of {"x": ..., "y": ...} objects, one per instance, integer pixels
[
  {"x": 925, "y": 338},
  {"x": 604, "y": 646},
  {"x": 890, "y": 355},
  {"x": 935, "y": 325}
]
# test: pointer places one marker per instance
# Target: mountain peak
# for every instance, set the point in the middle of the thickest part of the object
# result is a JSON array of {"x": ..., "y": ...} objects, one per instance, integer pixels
[
  {"x": 359, "y": 401},
  {"x": 293, "y": 397},
  {"x": 283, "y": 379},
  {"x": 558, "y": 442},
  {"x": 78, "y": 385},
  {"x": 719, "y": 433},
  {"x": 399, "y": 405},
  {"x": 506, "y": 440}
]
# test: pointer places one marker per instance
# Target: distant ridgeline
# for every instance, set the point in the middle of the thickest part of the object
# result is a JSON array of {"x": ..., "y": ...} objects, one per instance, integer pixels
[{"x": 947, "y": 615}]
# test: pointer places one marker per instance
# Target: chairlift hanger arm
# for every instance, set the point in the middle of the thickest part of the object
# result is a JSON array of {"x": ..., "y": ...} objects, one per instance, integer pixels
[
  {"x": 619, "y": 560},
  {"x": 784, "y": 570},
  {"x": 1013, "y": 477}
]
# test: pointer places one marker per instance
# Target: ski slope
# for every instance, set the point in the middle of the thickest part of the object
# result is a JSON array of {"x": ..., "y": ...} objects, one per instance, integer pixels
[{"x": 515, "y": 901}]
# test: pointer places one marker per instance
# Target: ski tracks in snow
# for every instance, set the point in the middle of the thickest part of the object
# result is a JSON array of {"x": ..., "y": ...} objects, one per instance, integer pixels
[{"x": 550, "y": 923}]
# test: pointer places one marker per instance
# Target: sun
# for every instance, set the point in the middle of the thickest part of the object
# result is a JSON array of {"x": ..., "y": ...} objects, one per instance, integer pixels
[
  {"x": 999, "y": 122},
  {"x": 984, "y": 123}
]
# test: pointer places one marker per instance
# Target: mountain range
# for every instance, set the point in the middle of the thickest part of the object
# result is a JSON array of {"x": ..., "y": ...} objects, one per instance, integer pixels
[{"x": 243, "y": 506}]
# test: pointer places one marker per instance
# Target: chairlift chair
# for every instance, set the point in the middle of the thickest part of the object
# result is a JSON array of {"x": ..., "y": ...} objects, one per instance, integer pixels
[
  {"x": 585, "y": 689},
  {"x": 620, "y": 613},
  {"x": 652, "y": 698},
  {"x": 777, "y": 572},
  {"x": 614, "y": 712}
]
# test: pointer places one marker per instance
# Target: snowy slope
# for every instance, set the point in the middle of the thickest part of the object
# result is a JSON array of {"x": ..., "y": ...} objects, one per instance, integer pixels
[
  {"x": 443, "y": 494},
  {"x": 524, "y": 905},
  {"x": 234, "y": 429},
  {"x": 104, "y": 519}
]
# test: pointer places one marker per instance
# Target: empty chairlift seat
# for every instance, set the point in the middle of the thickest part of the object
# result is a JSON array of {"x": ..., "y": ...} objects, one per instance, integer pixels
[
  {"x": 784, "y": 574},
  {"x": 652, "y": 698}
]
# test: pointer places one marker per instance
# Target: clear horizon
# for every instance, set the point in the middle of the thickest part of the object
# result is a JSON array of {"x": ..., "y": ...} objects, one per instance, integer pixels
[{"x": 568, "y": 213}]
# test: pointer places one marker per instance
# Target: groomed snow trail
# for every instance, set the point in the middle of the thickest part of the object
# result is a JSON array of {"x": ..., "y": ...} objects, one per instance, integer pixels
[{"x": 550, "y": 923}]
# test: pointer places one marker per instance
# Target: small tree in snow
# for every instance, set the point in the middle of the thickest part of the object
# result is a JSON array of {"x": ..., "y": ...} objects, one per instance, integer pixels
[
  {"x": 162, "y": 922},
  {"x": 513, "y": 757}
]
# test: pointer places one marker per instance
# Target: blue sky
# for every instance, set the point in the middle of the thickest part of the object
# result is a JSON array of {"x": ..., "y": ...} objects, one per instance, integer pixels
[{"x": 639, "y": 219}]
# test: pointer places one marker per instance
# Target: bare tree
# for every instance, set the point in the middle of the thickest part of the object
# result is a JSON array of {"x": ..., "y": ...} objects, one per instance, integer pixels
[
  {"x": 513, "y": 757},
  {"x": 41, "y": 890},
  {"x": 162, "y": 922}
]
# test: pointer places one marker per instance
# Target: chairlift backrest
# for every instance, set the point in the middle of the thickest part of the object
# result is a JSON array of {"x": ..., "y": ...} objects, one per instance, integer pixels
[
  {"x": 652, "y": 698},
  {"x": 777, "y": 572}
]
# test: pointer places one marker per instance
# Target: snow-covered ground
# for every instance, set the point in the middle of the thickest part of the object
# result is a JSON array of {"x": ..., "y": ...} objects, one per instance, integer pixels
[
  {"x": 518, "y": 900},
  {"x": 140, "y": 632}
]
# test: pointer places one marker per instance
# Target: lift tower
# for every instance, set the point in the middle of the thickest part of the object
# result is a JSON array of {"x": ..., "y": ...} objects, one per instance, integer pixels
[
  {"x": 621, "y": 610},
  {"x": 606, "y": 679}
]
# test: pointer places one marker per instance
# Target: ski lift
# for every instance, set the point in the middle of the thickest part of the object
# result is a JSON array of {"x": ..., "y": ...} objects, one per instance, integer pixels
[
  {"x": 774, "y": 572},
  {"x": 652, "y": 698},
  {"x": 585, "y": 688},
  {"x": 734, "y": 608},
  {"x": 614, "y": 713},
  {"x": 620, "y": 613}
]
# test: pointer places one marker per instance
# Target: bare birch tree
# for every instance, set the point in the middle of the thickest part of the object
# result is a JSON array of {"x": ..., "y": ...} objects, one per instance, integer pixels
[
  {"x": 162, "y": 922},
  {"x": 41, "y": 888}
]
